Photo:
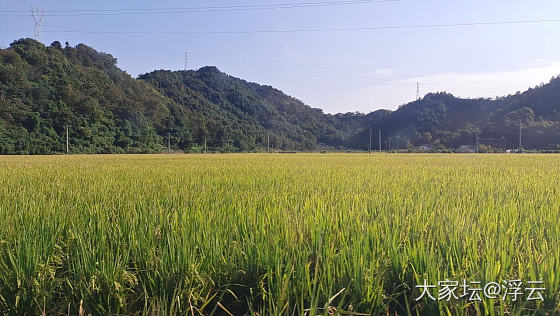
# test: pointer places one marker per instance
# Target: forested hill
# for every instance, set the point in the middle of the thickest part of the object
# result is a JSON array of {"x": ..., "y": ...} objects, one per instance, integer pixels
[
  {"x": 238, "y": 115},
  {"x": 443, "y": 121},
  {"x": 233, "y": 114},
  {"x": 44, "y": 89}
]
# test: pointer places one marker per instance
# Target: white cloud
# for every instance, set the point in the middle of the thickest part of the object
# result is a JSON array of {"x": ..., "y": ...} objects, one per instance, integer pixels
[
  {"x": 375, "y": 74},
  {"x": 540, "y": 61},
  {"x": 381, "y": 73},
  {"x": 468, "y": 85}
]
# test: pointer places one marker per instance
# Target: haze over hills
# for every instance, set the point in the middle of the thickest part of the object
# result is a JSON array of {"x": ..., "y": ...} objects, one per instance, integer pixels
[{"x": 45, "y": 88}]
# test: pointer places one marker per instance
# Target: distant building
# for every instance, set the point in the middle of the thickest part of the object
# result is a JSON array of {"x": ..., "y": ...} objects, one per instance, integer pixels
[
  {"x": 499, "y": 142},
  {"x": 466, "y": 149},
  {"x": 426, "y": 147}
]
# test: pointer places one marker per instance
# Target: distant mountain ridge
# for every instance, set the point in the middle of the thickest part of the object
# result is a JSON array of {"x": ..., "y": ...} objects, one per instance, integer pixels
[{"x": 45, "y": 88}]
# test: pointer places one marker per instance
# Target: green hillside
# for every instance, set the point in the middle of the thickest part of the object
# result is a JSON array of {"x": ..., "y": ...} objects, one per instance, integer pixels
[{"x": 44, "y": 89}]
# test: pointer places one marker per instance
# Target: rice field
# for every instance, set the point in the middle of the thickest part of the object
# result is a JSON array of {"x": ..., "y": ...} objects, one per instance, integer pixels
[{"x": 298, "y": 234}]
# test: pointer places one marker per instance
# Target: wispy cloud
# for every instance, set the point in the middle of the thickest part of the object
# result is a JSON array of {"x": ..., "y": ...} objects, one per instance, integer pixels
[
  {"x": 383, "y": 73},
  {"x": 469, "y": 85}
]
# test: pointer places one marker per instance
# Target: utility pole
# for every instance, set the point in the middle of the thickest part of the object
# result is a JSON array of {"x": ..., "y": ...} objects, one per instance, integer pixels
[
  {"x": 267, "y": 142},
  {"x": 476, "y": 148},
  {"x": 379, "y": 140},
  {"x": 369, "y": 147},
  {"x": 67, "y": 141},
  {"x": 204, "y": 144},
  {"x": 417, "y": 91},
  {"x": 519, "y": 136},
  {"x": 39, "y": 17},
  {"x": 168, "y": 143}
]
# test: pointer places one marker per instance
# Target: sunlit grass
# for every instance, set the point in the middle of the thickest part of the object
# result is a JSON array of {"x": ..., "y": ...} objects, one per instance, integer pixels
[{"x": 274, "y": 234}]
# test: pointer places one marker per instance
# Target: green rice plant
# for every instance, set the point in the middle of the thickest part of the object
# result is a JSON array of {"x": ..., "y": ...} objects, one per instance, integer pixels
[{"x": 298, "y": 234}]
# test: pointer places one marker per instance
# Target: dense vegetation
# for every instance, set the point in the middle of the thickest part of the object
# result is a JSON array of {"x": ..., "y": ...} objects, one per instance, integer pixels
[
  {"x": 44, "y": 89},
  {"x": 444, "y": 121},
  {"x": 237, "y": 115},
  {"x": 275, "y": 234}
]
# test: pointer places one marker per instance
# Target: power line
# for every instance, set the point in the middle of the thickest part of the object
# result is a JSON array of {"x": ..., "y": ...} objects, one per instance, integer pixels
[
  {"x": 386, "y": 82},
  {"x": 312, "y": 73},
  {"x": 298, "y": 67},
  {"x": 309, "y": 30},
  {"x": 204, "y": 9},
  {"x": 307, "y": 73}
]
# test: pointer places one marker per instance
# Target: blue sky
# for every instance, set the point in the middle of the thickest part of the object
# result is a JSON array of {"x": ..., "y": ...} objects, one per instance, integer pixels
[{"x": 338, "y": 71}]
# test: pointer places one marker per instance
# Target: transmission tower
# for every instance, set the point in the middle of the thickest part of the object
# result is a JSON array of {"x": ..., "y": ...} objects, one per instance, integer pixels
[
  {"x": 39, "y": 17},
  {"x": 417, "y": 91},
  {"x": 186, "y": 61}
]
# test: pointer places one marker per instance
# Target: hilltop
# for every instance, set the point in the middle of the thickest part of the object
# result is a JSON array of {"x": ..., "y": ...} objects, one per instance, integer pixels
[{"x": 45, "y": 88}]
